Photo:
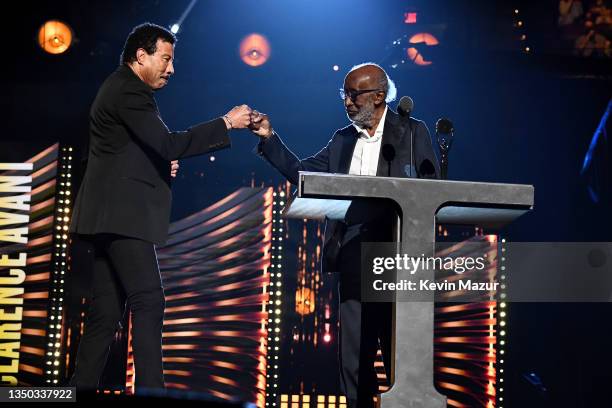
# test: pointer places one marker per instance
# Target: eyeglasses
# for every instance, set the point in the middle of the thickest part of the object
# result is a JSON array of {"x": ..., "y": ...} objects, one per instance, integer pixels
[{"x": 352, "y": 94}]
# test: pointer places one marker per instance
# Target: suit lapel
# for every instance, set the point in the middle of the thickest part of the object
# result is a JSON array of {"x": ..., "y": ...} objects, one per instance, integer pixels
[
  {"x": 392, "y": 134},
  {"x": 346, "y": 153}
]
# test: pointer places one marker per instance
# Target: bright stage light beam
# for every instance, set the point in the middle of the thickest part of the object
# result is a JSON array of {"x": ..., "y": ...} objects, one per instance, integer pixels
[{"x": 177, "y": 26}]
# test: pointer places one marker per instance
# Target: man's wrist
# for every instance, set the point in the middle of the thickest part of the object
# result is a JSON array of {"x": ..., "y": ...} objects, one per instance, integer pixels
[{"x": 228, "y": 122}]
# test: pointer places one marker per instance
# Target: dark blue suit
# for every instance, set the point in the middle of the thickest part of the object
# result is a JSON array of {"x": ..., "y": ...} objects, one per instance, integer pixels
[
  {"x": 336, "y": 158},
  {"x": 362, "y": 324}
]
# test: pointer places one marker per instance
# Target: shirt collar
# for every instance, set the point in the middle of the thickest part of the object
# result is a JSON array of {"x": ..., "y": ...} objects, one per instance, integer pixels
[{"x": 362, "y": 133}]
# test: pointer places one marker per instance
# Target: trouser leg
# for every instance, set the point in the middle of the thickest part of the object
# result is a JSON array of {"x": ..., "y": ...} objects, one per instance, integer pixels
[
  {"x": 135, "y": 262},
  {"x": 103, "y": 317}
]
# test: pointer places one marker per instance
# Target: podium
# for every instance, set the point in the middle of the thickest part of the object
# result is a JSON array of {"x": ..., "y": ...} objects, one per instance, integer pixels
[{"x": 422, "y": 203}]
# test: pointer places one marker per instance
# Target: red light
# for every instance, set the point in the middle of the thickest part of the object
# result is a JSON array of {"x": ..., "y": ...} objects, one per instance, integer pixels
[
  {"x": 326, "y": 338},
  {"x": 410, "y": 18}
]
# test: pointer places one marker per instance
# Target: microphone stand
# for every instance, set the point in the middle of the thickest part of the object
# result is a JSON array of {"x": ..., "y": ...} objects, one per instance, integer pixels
[
  {"x": 444, "y": 136},
  {"x": 411, "y": 146}
]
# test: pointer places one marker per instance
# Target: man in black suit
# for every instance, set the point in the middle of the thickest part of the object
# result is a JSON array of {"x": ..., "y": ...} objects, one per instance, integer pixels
[
  {"x": 123, "y": 205},
  {"x": 356, "y": 149}
]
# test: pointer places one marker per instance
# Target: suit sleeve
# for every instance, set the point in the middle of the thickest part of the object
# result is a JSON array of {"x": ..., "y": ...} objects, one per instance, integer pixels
[
  {"x": 288, "y": 164},
  {"x": 428, "y": 165},
  {"x": 138, "y": 111}
]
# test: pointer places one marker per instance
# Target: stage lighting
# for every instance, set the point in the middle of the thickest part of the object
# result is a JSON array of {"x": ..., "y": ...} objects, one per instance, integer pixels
[
  {"x": 175, "y": 28},
  {"x": 420, "y": 41},
  {"x": 410, "y": 18},
  {"x": 254, "y": 50},
  {"x": 54, "y": 37}
]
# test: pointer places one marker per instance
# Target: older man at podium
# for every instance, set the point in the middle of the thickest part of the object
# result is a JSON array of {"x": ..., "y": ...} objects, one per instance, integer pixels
[{"x": 377, "y": 142}]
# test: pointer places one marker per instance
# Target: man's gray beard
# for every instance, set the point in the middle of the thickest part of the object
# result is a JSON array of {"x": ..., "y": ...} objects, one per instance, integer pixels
[{"x": 364, "y": 117}]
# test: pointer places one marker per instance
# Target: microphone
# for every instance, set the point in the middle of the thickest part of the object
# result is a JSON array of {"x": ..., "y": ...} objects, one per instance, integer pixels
[
  {"x": 444, "y": 135},
  {"x": 444, "y": 126},
  {"x": 388, "y": 152},
  {"x": 404, "y": 108}
]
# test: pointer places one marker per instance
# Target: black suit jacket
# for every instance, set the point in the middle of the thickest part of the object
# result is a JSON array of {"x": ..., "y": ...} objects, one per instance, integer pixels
[
  {"x": 336, "y": 158},
  {"x": 126, "y": 186}
]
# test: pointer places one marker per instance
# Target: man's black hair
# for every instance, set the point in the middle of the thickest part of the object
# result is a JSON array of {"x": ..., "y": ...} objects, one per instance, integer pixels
[{"x": 144, "y": 36}]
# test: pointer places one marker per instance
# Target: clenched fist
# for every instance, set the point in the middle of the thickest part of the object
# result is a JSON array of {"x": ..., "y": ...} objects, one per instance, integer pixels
[
  {"x": 238, "y": 118},
  {"x": 260, "y": 124}
]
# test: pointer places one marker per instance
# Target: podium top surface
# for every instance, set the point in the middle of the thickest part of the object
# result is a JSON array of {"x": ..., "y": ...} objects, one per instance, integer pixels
[
  {"x": 346, "y": 185},
  {"x": 326, "y": 195}
]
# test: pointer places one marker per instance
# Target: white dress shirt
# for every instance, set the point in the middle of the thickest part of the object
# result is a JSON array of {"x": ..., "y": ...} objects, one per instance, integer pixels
[{"x": 367, "y": 150}]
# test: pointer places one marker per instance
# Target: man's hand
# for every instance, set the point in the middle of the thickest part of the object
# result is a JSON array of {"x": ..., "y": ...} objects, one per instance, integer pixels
[
  {"x": 174, "y": 166},
  {"x": 260, "y": 125},
  {"x": 238, "y": 118}
]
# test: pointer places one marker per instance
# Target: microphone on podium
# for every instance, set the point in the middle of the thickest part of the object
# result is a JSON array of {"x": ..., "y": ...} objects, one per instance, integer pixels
[
  {"x": 388, "y": 152},
  {"x": 404, "y": 108}
]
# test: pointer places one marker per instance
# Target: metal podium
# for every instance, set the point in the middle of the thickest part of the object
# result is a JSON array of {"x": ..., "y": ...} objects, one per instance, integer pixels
[{"x": 423, "y": 203}]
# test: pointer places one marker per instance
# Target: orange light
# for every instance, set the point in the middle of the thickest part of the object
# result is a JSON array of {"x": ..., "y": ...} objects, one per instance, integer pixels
[
  {"x": 420, "y": 38},
  {"x": 304, "y": 301},
  {"x": 254, "y": 50},
  {"x": 54, "y": 37}
]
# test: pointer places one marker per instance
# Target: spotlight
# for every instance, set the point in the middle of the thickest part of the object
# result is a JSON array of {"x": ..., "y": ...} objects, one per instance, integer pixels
[
  {"x": 335, "y": 68},
  {"x": 175, "y": 28},
  {"x": 419, "y": 42},
  {"x": 212, "y": 158},
  {"x": 54, "y": 37},
  {"x": 254, "y": 50}
]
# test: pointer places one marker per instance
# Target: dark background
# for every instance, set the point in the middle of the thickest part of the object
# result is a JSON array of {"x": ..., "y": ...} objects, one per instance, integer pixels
[{"x": 520, "y": 117}]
